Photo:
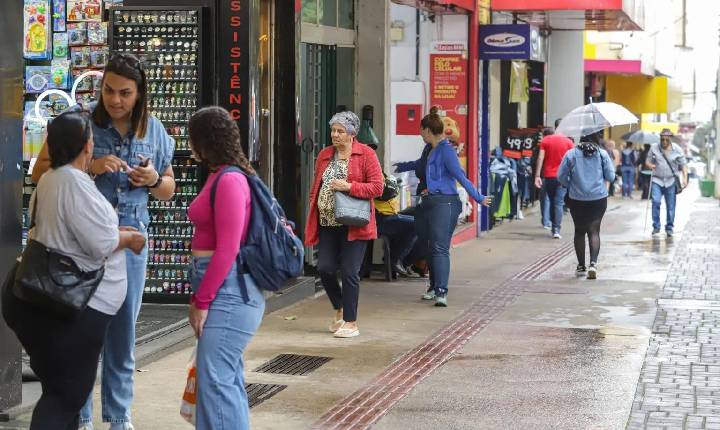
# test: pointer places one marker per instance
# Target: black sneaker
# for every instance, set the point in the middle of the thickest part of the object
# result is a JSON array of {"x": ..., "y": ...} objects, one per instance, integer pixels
[{"x": 581, "y": 269}]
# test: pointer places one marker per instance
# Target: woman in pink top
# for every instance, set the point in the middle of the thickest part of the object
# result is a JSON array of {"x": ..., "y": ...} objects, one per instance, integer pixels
[{"x": 223, "y": 316}]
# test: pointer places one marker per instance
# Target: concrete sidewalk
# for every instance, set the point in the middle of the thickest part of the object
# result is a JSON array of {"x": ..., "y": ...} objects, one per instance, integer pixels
[{"x": 512, "y": 373}]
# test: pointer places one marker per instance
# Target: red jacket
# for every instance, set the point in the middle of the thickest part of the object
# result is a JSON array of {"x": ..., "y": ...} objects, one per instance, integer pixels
[{"x": 366, "y": 182}]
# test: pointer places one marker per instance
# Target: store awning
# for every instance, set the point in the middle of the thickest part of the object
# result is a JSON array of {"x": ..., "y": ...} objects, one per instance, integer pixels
[
  {"x": 623, "y": 67},
  {"x": 601, "y": 15},
  {"x": 643, "y": 94},
  {"x": 441, "y": 6}
]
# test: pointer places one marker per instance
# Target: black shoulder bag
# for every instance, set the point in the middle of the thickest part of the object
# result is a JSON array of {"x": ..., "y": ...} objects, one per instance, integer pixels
[
  {"x": 51, "y": 281},
  {"x": 678, "y": 184}
]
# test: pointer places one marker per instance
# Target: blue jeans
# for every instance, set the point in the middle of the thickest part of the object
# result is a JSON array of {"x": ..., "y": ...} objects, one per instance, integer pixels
[
  {"x": 657, "y": 193},
  {"x": 556, "y": 196},
  {"x": 435, "y": 222},
  {"x": 222, "y": 402},
  {"x": 400, "y": 229},
  {"x": 118, "y": 356},
  {"x": 628, "y": 177},
  {"x": 544, "y": 208}
]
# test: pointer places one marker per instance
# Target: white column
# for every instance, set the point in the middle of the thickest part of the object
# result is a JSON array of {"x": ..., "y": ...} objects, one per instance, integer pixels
[
  {"x": 372, "y": 81},
  {"x": 565, "y": 80}
]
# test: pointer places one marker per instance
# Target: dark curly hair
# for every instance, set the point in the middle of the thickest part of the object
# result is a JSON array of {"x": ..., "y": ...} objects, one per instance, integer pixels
[{"x": 215, "y": 138}]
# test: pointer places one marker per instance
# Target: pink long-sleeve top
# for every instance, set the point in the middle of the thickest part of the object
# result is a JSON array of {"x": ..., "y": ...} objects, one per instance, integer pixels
[{"x": 223, "y": 230}]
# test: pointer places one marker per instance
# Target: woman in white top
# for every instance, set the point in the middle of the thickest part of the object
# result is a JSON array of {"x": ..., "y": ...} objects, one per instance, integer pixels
[{"x": 74, "y": 219}]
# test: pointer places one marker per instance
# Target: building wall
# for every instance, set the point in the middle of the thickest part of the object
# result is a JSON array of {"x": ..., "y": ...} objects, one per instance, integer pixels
[{"x": 406, "y": 86}]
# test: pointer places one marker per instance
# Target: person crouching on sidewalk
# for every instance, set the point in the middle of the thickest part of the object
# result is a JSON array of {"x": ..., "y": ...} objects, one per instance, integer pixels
[{"x": 351, "y": 167}]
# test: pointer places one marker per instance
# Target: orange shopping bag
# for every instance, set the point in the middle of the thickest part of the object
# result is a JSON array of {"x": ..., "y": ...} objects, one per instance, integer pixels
[{"x": 187, "y": 405}]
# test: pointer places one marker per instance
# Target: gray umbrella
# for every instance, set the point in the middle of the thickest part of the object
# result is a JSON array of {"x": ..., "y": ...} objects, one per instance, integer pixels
[{"x": 641, "y": 137}]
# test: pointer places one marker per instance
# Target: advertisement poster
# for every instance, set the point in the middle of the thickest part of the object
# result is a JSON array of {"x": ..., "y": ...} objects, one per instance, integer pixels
[
  {"x": 448, "y": 88},
  {"x": 520, "y": 142}
]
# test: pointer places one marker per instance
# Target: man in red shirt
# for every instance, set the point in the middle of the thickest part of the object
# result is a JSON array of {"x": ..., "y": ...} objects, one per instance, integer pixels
[{"x": 552, "y": 150}]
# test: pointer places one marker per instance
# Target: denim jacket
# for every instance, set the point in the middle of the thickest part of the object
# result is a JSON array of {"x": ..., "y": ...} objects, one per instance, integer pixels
[{"x": 131, "y": 203}]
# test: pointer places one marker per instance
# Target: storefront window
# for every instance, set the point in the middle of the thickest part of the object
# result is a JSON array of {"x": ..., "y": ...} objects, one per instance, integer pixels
[
  {"x": 310, "y": 11},
  {"x": 346, "y": 14},
  {"x": 329, "y": 12}
]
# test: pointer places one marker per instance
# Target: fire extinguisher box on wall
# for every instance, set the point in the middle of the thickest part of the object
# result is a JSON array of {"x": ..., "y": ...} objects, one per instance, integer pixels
[{"x": 408, "y": 119}]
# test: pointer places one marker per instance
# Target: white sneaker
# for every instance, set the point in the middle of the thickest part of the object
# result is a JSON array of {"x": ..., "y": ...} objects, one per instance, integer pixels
[
  {"x": 122, "y": 426},
  {"x": 557, "y": 236},
  {"x": 520, "y": 215},
  {"x": 87, "y": 426}
]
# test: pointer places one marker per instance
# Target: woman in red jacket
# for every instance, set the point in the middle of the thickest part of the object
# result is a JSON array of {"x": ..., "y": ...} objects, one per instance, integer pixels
[{"x": 347, "y": 166}]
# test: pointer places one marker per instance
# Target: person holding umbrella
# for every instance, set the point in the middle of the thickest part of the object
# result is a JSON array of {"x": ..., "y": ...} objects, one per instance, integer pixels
[
  {"x": 669, "y": 177},
  {"x": 585, "y": 170}
]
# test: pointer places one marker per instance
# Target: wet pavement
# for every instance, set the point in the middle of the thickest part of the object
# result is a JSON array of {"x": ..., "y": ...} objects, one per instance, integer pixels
[
  {"x": 524, "y": 343},
  {"x": 679, "y": 386}
]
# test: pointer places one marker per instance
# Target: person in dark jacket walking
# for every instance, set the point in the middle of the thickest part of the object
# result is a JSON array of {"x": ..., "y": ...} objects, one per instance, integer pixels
[{"x": 628, "y": 168}]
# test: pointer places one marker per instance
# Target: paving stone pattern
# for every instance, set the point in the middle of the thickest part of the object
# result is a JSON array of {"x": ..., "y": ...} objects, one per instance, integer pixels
[
  {"x": 367, "y": 405},
  {"x": 679, "y": 385}
]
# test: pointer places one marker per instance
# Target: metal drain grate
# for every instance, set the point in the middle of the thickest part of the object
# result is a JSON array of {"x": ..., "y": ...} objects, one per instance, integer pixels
[
  {"x": 258, "y": 393},
  {"x": 293, "y": 364}
]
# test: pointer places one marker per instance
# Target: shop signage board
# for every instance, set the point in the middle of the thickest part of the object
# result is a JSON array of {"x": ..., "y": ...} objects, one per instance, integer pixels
[
  {"x": 237, "y": 72},
  {"x": 511, "y": 42},
  {"x": 520, "y": 142},
  {"x": 449, "y": 85}
]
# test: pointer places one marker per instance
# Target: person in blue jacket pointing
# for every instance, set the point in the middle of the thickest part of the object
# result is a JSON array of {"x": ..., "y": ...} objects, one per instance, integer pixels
[{"x": 438, "y": 170}]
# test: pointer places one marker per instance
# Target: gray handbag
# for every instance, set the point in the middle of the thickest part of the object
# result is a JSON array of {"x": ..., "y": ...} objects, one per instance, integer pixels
[{"x": 351, "y": 211}]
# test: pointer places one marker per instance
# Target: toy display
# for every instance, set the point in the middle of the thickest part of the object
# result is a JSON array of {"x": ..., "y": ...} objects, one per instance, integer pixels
[
  {"x": 36, "y": 17},
  {"x": 36, "y": 79},
  {"x": 77, "y": 33},
  {"x": 60, "y": 45},
  {"x": 59, "y": 74},
  {"x": 58, "y": 15},
  {"x": 97, "y": 33},
  {"x": 80, "y": 56},
  {"x": 84, "y": 10},
  {"x": 99, "y": 56}
]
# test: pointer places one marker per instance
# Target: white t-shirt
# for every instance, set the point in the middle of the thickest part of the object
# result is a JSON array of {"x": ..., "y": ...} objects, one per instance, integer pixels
[{"x": 75, "y": 219}]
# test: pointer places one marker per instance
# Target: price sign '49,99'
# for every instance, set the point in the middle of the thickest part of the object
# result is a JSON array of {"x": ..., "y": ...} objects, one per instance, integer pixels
[{"x": 520, "y": 142}]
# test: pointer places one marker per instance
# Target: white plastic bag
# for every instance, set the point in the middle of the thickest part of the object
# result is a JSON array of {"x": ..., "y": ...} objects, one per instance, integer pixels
[{"x": 187, "y": 405}]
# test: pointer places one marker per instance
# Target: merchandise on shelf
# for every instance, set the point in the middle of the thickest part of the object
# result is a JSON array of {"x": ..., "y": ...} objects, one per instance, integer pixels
[
  {"x": 37, "y": 33},
  {"x": 37, "y": 79},
  {"x": 58, "y": 15},
  {"x": 60, "y": 45},
  {"x": 84, "y": 10},
  {"x": 97, "y": 33},
  {"x": 77, "y": 33},
  {"x": 168, "y": 45},
  {"x": 59, "y": 74}
]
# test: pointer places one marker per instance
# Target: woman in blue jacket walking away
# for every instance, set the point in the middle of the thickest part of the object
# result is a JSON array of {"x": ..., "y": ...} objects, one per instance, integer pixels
[
  {"x": 437, "y": 214},
  {"x": 585, "y": 171}
]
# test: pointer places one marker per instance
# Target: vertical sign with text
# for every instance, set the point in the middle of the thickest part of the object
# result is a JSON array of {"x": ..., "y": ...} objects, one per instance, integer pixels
[
  {"x": 448, "y": 87},
  {"x": 233, "y": 68}
]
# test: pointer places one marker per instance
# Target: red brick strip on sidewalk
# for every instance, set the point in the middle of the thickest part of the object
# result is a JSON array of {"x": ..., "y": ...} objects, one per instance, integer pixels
[{"x": 367, "y": 405}]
